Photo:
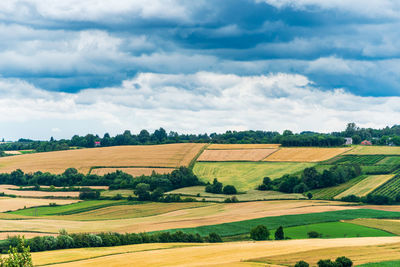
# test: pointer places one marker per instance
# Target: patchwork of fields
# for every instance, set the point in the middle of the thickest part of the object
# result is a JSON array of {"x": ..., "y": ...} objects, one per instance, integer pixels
[
  {"x": 366, "y": 186},
  {"x": 171, "y": 155}
]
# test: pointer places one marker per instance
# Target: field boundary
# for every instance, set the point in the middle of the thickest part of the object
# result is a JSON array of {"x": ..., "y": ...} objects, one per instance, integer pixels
[
  {"x": 129, "y": 167},
  {"x": 194, "y": 160}
]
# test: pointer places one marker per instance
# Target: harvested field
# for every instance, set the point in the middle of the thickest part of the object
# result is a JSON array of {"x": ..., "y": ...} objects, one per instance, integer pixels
[
  {"x": 306, "y": 154},
  {"x": 9, "y": 204},
  {"x": 236, "y": 155},
  {"x": 14, "y": 152},
  {"x": 132, "y": 171},
  {"x": 370, "y": 252},
  {"x": 26, "y": 235},
  {"x": 245, "y": 175},
  {"x": 8, "y": 190},
  {"x": 375, "y": 150},
  {"x": 170, "y": 155},
  {"x": 392, "y": 226},
  {"x": 366, "y": 186},
  {"x": 224, "y": 254},
  {"x": 198, "y": 192},
  {"x": 208, "y": 215},
  {"x": 242, "y": 146}
]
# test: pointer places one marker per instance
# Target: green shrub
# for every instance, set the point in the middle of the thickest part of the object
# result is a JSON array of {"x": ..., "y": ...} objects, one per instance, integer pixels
[
  {"x": 259, "y": 232},
  {"x": 279, "y": 234},
  {"x": 229, "y": 190},
  {"x": 314, "y": 234},
  {"x": 301, "y": 264}
]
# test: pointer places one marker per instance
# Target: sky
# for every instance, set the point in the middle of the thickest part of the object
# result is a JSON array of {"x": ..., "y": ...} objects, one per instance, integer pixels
[{"x": 76, "y": 67}]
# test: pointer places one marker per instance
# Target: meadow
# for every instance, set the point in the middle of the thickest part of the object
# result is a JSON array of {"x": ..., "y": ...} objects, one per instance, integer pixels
[
  {"x": 170, "y": 155},
  {"x": 236, "y": 155},
  {"x": 366, "y": 186},
  {"x": 245, "y": 175},
  {"x": 374, "y": 150},
  {"x": 306, "y": 154}
]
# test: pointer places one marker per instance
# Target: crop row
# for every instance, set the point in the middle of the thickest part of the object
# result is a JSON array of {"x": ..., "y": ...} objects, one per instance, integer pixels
[
  {"x": 391, "y": 188},
  {"x": 362, "y": 160}
]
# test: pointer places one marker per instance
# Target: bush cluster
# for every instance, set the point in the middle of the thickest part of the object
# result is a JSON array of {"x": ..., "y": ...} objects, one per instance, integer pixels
[
  {"x": 82, "y": 240},
  {"x": 339, "y": 262},
  {"x": 372, "y": 199},
  {"x": 218, "y": 188}
]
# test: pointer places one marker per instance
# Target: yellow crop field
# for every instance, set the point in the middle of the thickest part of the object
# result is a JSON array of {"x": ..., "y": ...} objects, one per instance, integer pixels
[
  {"x": 132, "y": 171},
  {"x": 242, "y": 146},
  {"x": 306, "y": 154},
  {"x": 235, "y": 155},
  {"x": 391, "y": 226},
  {"x": 222, "y": 254},
  {"x": 8, "y": 189},
  {"x": 132, "y": 211},
  {"x": 375, "y": 150},
  {"x": 170, "y": 155},
  {"x": 10, "y": 204},
  {"x": 186, "y": 217},
  {"x": 26, "y": 235},
  {"x": 365, "y": 186},
  {"x": 367, "y": 253}
]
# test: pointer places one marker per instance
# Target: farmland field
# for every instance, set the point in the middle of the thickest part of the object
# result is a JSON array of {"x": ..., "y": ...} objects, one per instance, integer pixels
[
  {"x": 330, "y": 192},
  {"x": 360, "y": 159},
  {"x": 306, "y": 154},
  {"x": 8, "y": 190},
  {"x": 334, "y": 230},
  {"x": 132, "y": 171},
  {"x": 222, "y": 254},
  {"x": 374, "y": 150},
  {"x": 9, "y": 204},
  {"x": 364, "y": 252},
  {"x": 245, "y": 175},
  {"x": 390, "y": 161},
  {"x": 198, "y": 192},
  {"x": 381, "y": 264},
  {"x": 366, "y": 186},
  {"x": 242, "y": 146},
  {"x": 390, "y": 188},
  {"x": 170, "y": 155},
  {"x": 188, "y": 217},
  {"x": 235, "y": 155},
  {"x": 392, "y": 226}
]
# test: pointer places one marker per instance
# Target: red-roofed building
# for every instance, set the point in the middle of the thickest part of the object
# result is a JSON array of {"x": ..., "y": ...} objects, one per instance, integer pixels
[
  {"x": 97, "y": 143},
  {"x": 366, "y": 143}
]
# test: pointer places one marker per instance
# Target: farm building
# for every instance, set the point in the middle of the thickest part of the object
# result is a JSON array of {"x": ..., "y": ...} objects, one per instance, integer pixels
[
  {"x": 366, "y": 143},
  {"x": 349, "y": 141},
  {"x": 97, "y": 143}
]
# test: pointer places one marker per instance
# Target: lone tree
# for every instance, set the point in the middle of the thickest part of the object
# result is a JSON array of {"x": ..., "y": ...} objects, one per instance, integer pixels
[
  {"x": 259, "y": 232},
  {"x": 229, "y": 190},
  {"x": 279, "y": 235}
]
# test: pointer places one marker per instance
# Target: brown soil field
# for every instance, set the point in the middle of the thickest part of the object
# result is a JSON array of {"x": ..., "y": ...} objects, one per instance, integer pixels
[
  {"x": 193, "y": 217},
  {"x": 392, "y": 226},
  {"x": 242, "y": 146},
  {"x": 236, "y": 155},
  {"x": 226, "y": 254},
  {"x": 10, "y": 204},
  {"x": 306, "y": 154},
  {"x": 358, "y": 254},
  {"x": 170, "y": 155},
  {"x": 132, "y": 171},
  {"x": 26, "y": 235},
  {"x": 7, "y": 189}
]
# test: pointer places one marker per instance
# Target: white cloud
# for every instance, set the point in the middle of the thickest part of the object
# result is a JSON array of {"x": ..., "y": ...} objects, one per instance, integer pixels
[{"x": 192, "y": 103}]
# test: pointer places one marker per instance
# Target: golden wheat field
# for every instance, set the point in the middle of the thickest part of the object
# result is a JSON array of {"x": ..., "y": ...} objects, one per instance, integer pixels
[
  {"x": 374, "y": 150},
  {"x": 8, "y": 190},
  {"x": 187, "y": 217},
  {"x": 170, "y": 155},
  {"x": 9, "y": 204},
  {"x": 366, "y": 186},
  {"x": 242, "y": 146},
  {"x": 367, "y": 253},
  {"x": 235, "y": 155},
  {"x": 306, "y": 154},
  {"x": 222, "y": 254},
  {"x": 132, "y": 171},
  {"x": 26, "y": 235},
  {"x": 392, "y": 226}
]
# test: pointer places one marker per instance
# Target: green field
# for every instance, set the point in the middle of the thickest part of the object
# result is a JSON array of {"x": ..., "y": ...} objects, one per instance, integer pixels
[
  {"x": 198, "y": 192},
  {"x": 245, "y": 175},
  {"x": 331, "y": 192},
  {"x": 366, "y": 186},
  {"x": 391, "y": 160},
  {"x": 82, "y": 206},
  {"x": 243, "y": 227},
  {"x": 334, "y": 230},
  {"x": 359, "y": 159},
  {"x": 381, "y": 264},
  {"x": 391, "y": 188}
]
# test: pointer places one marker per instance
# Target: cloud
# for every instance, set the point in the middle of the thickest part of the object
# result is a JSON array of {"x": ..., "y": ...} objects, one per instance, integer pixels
[{"x": 190, "y": 103}]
